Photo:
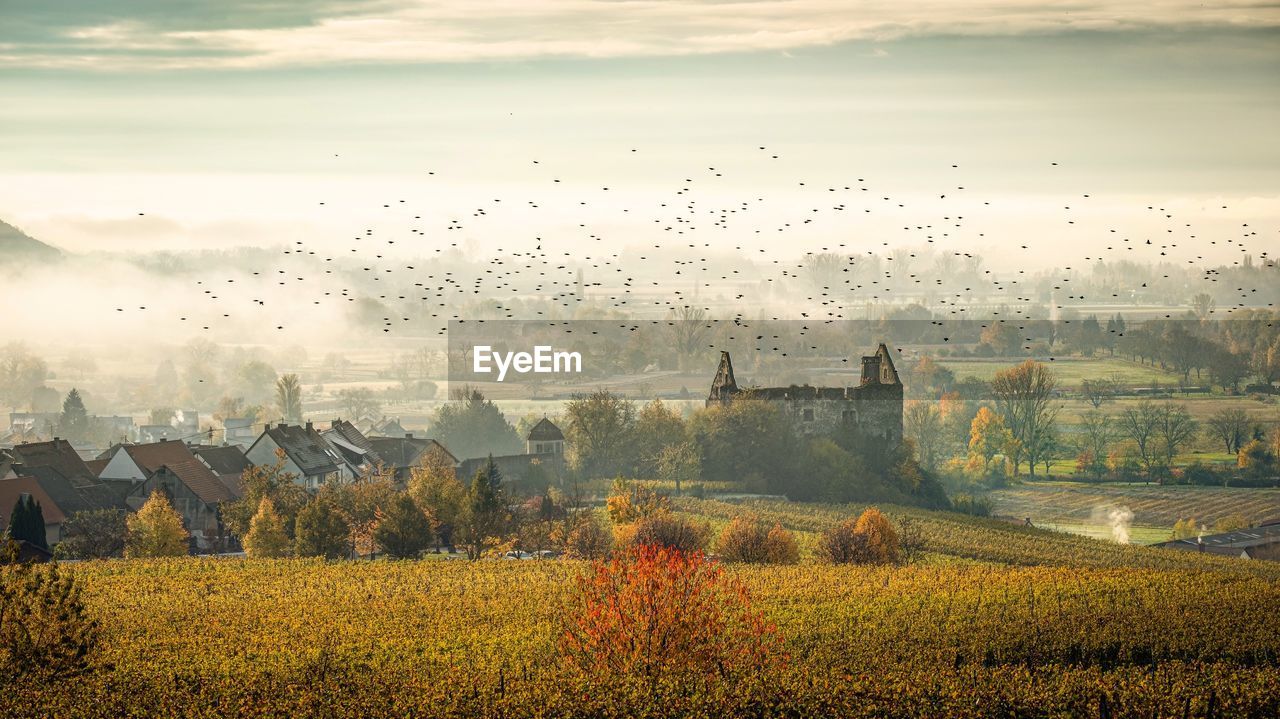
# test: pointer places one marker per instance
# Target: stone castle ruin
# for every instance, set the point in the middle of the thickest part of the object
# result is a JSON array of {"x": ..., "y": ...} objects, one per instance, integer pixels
[{"x": 872, "y": 410}]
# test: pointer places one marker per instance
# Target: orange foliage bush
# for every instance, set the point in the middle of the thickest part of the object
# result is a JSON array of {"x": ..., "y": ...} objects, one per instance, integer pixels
[
  {"x": 657, "y": 615},
  {"x": 871, "y": 539},
  {"x": 747, "y": 539},
  {"x": 664, "y": 530}
]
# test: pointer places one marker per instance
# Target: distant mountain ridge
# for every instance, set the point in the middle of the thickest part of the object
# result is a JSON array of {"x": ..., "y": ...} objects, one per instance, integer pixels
[{"x": 16, "y": 245}]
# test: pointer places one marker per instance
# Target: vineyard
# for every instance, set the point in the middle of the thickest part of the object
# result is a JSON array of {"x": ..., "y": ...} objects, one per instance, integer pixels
[
  {"x": 1151, "y": 505},
  {"x": 996, "y": 620}
]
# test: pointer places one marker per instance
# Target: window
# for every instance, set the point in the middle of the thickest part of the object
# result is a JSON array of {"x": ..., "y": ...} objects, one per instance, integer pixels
[{"x": 808, "y": 415}]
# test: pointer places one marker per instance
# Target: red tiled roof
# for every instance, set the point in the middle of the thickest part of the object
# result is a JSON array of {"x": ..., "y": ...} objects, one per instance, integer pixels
[
  {"x": 12, "y": 489},
  {"x": 183, "y": 464}
]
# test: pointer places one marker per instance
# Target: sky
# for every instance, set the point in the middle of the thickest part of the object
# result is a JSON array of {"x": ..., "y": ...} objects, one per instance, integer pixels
[{"x": 155, "y": 124}]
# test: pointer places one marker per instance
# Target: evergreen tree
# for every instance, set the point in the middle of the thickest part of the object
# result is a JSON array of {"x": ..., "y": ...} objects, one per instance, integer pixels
[
  {"x": 156, "y": 530},
  {"x": 26, "y": 522},
  {"x": 266, "y": 538},
  {"x": 485, "y": 512},
  {"x": 403, "y": 531},
  {"x": 74, "y": 421},
  {"x": 322, "y": 532}
]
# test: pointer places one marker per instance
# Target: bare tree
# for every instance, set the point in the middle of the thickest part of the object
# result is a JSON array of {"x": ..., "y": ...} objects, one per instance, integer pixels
[{"x": 1025, "y": 398}]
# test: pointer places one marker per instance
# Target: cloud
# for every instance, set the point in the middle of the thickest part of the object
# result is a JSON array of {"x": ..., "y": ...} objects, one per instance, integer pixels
[{"x": 155, "y": 34}]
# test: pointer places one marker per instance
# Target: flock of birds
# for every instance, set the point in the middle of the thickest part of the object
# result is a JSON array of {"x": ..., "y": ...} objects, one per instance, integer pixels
[{"x": 671, "y": 250}]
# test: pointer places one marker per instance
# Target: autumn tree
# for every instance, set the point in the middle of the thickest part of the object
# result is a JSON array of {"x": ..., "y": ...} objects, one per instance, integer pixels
[
  {"x": 1024, "y": 397},
  {"x": 266, "y": 538},
  {"x": 680, "y": 464},
  {"x": 664, "y": 529},
  {"x": 156, "y": 530},
  {"x": 988, "y": 437},
  {"x": 403, "y": 530},
  {"x": 269, "y": 481},
  {"x": 586, "y": 538},
  {"x": 322, "y": 531},
  {"x": 434, "y": 485},
  {"x": 1095, "y": 434},
  {"x": 654, "y": 615}
]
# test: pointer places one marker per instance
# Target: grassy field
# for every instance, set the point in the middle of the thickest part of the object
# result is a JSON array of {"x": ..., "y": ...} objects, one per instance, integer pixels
[
  {"x": 998, "y": 620},
  {"x": 1079, "y": 504},
  {"x": 1071, "y": 371}
]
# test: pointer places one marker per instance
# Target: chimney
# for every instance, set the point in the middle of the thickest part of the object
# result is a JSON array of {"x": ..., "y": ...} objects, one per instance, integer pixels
[
  {"x": 408, "y": 435},
  {"x": 164, "y": 439},
  {"x": 309, "y": 426},
  {"x": 282, "y": 425}
]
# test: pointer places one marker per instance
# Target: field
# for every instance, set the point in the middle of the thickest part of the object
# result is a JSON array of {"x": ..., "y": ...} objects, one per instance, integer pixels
[
  {"x": 1067, "y": 503},
  {"x": 996, "y": 620},
  {"x": 1071, "y": 371}
]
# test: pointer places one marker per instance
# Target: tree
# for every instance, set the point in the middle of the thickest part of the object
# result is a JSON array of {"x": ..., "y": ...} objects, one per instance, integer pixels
[
  {"x": 403, "y": 530},
  {"x": 664, "y": 529},
  {"x": 93, "y": 534},
  {"x": 1025, "y": 398},
  {"x": 484, "y": 517},
  {"x": 434, "y": 485},
  {"x": 472, "y": 426},
  {"x": 687, "y": 328},
  {"x": 289, "y": 398},
  {"x": 20, "y": 373},
  {"x": 1229, "y": 426},
  {"x": 1140, "y": 423},
  {"x": 922, "y": 424},
  {"x": 1002, "y": 338},
  {"x": 156, "y": 530},
  {"x": 1093, "y": 441},
  {"x": 256, "y": 378},
  {"x": 321, "y": 531},
  {"x": 657, "y": 427},
  {"x": 359, "y": 404},
  {"x": 1175, "y": 428},
  {"x": 988, "y": 436},
  {"x": 1256, "y": 459},
  {"x": 73, "y": 423},
  {"x": 1099, "y": 391},
  {"x": 266, "y": 538},
  {"x": 600, "y": 433},
  {"x": 679, "y": 463},
  {"x": 745, "y": 437},
  {"x": 265, "y": 481},
  {"x": 26, "y": 522}
]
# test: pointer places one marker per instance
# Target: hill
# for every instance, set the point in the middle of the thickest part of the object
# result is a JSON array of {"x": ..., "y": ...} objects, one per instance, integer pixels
[{"x": 16, "y": 245}]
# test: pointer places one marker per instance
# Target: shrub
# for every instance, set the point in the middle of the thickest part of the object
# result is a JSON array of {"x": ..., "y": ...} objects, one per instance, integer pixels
[
  {"x": 93, "y": 534},
  {"x": 587, "y": 539},
  {"x": 665, "y": 530},
  {"x": 44, "y": 628},
  {"x": 654, "y": 614},
  {"x": 747, "y": 539},
  {"x": 870, "y": 539}
]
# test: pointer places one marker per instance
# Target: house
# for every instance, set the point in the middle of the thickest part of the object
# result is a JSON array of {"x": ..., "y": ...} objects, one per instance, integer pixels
[
  {"x": 195, "y": 490},
  {"x": 353, "y": 448},
  {"x": 306, "y": 454},
  {"x": 387, "y": 427},
  {"x": 183, "y": 425},
  {"x": 544, "y": 438},
  {"x": 61, "y": 473},
  {"x": 544, "y": 464},
  {"x": 872, "y": 410},
  {"x": 39, "y": 424},
  {"x": 402, "y": 454},
  {"x": 116, "y": 427},
  {"x": 227, "y": 461},
  {"x": 238, "y": 430},
  {"x": 16, "y": 489},
  {"x": 1253, "y": 543}
]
